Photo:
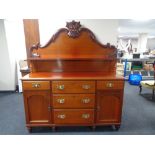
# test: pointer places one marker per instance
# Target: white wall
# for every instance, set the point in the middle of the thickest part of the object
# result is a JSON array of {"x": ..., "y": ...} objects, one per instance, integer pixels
[
  {"x": 6, "y": 76},
  {"x": 15, "y": 38},
  {"x": 16, "y": 45},
  {"x": 12, "y": 49},
  {"x": 104, "y": 29}
]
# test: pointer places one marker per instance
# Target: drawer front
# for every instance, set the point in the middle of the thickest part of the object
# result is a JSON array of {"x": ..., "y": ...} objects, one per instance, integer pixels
[
  {"x": 73, "y": 116},
  {"x": 36, "y": 85},
  {"x": 73, "y": 100},
  {"x": 73, "y": 86},
  {"x": 110, "y": 85}
]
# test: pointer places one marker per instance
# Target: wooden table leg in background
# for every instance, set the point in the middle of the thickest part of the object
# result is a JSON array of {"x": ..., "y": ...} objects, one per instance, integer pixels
[
  {"x": 140, "y": 89},
  {"x": 152, "y": 94}
]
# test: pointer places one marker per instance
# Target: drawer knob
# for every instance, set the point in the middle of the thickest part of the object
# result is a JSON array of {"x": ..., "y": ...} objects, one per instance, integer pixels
[
  {"x": 60, "y": 87},
  {"x": 61, "y": 101},
  {"x": 85, "y": 86},
  {"x": 85, "y": 116},
  {"x": 86, "y": 100},
  {"x": 109, "y": 85},
  {"x": 62, "y": 116},
  {"x": 35, "y": 85}
]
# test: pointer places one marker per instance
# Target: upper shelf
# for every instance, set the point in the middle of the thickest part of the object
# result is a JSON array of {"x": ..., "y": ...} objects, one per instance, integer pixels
[{"x": 70, "y": 57}]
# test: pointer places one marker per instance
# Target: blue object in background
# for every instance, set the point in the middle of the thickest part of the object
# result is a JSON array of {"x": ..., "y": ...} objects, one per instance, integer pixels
[{"x": 134, "y": 79}]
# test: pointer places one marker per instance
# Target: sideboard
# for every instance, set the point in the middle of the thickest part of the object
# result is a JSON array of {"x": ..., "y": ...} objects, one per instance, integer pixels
[{"x": 73, "y": 82}]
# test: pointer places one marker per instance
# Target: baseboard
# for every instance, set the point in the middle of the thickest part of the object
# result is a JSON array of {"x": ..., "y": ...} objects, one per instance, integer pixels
[
  {"x": 10, "y": 91},
  {"x": 7, "y": 91}
]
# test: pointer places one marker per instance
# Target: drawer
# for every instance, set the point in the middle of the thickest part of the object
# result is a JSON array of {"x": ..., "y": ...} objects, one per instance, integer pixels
[
  {"x": 36, "y": 85},
  {"x": 73, "y": 86},
  {"x": 110, "y": 85},
  {"x": 73, "y": 100},
  {"x": 73, "y": 116}
]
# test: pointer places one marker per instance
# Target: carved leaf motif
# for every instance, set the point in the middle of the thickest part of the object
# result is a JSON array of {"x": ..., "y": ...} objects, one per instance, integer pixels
[{"x": 73, "y": 28}]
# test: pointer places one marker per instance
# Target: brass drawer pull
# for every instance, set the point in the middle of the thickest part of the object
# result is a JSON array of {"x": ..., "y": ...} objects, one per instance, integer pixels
[
  {"x": 60, "y": 87},
  {"x": 109, "y": 85},
  {"x": 62, "y": 116},
  {"x": 35, "y": 85},
  {"x": 61, "y": 101},
  {"x": 86, "y": 100},
  {"x": 85, "y": 86},
  {"x": 85, "y": 116}
]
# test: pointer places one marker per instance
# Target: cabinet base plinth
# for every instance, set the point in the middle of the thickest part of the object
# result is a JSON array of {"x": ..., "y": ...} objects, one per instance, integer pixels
[
  {"x": 93, "y": 128},
  {"x": 53, "y": 128}
]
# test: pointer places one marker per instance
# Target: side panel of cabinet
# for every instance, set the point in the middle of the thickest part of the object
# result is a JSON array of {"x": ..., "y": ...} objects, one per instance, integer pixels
[
  {"x": 109, "y": 107},
  {"x": 37, "y": 107}
]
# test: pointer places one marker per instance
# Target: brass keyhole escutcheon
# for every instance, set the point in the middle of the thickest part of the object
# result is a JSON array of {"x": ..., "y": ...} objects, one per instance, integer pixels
[{"x": 109, "y": 85}]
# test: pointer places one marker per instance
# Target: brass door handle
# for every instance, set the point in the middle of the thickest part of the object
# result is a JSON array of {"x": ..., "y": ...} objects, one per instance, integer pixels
[
  {"x": 61, "y": 101},
  {"x": 85, "y": 116},
  {"x": 62, "y": 116},
  {"x": 85, "y": 86},
  {"x": 86, "y": 100},
  {"x": 35, "y": 85},
  {"x": 109, "y": 85},
  {"x": 60, "y": 87},
  {"x": 49, "y": 108}
]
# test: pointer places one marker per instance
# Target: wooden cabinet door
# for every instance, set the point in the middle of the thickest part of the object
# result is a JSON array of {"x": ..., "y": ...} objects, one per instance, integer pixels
[
  {"x": 37, "y": 107},
  {"x": 109, "y": 107}
]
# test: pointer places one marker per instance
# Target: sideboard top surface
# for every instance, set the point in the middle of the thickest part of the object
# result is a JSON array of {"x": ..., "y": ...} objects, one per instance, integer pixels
[{"x": 71, "y": 76}]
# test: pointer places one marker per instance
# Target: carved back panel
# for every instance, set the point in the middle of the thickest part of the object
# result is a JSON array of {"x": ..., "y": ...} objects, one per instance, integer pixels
[{"x": 71, "y": 43}]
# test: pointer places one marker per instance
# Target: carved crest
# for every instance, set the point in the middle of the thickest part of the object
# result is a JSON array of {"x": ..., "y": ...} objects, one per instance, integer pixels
[{"x": 73, "y": 28}]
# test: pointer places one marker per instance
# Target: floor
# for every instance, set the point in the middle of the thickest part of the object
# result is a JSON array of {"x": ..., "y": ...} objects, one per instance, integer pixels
[{"x": 138, "y": 116}]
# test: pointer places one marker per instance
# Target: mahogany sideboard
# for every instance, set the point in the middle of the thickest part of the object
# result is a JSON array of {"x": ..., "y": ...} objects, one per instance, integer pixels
[{"x": 73, "y": 82}]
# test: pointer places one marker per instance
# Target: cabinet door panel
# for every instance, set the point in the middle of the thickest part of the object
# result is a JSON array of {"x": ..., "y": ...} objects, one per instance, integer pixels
[
  {"x": 109, "y": 105},
  {"x": 36, "y": 106}
]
